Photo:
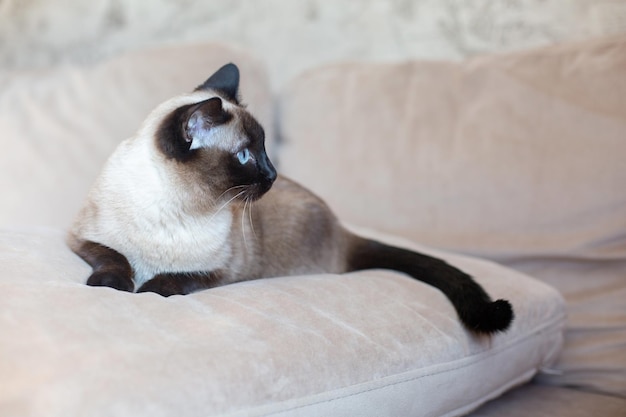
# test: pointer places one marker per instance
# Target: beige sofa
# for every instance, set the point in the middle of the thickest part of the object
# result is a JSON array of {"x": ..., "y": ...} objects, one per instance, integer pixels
[{"x": 516, "y": 159}]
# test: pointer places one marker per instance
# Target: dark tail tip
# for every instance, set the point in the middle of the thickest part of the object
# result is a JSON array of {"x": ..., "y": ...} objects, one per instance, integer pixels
[{"x": 492, "y": 317}]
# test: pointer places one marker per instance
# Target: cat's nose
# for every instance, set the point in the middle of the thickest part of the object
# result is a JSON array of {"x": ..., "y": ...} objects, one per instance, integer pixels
[
  {"x": 268, "y": 170},
  {"x": 271, "y": 175}
]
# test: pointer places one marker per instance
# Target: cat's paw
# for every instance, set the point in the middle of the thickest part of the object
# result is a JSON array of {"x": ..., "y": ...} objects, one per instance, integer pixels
[
  {"x": 110, "y": 279},
  {"x": 162, "y": 287}
]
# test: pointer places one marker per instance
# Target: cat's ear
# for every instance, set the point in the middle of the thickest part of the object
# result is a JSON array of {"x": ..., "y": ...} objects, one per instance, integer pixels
[
  {"x": 191, "y": 127},
  {"x": 200, "y": 121},
  {"x": 225, "y": 81}
]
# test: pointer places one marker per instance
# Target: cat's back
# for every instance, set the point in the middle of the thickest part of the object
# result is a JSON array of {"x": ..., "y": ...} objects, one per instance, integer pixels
[{"x": 299, "y": 229}]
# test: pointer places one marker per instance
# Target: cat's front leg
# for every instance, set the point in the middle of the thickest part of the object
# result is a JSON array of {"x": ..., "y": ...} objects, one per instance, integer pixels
[
  {"x": 110, "y": 268},
  {"x": 181, "y": 283}
]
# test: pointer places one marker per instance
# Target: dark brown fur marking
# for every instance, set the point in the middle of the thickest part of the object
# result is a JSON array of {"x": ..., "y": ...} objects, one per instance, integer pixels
[
  {"x": 171, "y": 134},
  {"x": 225, "y": 81},
  {"x": 110, "y": 268},
  {"x": 181, "y": 283},
  {"x": 472, "y": 303}
]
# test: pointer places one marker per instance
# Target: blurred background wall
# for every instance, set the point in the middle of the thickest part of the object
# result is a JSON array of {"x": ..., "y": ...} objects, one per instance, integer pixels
[{"x": 292, "y": 35}]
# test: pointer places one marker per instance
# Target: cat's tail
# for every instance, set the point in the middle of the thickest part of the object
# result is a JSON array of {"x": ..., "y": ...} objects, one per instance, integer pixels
[{"x": 473, "y": 305}]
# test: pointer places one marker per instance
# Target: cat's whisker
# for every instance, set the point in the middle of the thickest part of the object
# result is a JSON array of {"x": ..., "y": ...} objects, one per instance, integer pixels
[
  {"x": 243, "y": 226},
  {"x": 227, "y": 203},
  {"x": 250, "y": 217},
  {"x": 230, "y": 189}
]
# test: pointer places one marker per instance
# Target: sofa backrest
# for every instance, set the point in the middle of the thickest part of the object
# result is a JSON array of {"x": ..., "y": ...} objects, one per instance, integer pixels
[
  {"x": 496, "y": 156},
  {"x": 57, "y": 127}
]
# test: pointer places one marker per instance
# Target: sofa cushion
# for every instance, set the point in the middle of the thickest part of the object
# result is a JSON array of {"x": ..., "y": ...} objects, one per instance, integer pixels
[
  {"x": 517, "y": 158},
  {"x": 59, "y": 126},
  {"x": 362, "y": 344}
]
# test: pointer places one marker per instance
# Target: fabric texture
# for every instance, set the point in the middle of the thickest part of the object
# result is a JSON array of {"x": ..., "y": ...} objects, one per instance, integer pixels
[
  {"x": 368, "y": 344},
  {"x": 59, "y": 126},
  {"x": 515, "y": 158}
]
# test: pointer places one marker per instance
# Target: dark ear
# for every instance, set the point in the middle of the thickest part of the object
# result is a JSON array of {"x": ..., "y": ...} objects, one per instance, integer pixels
[
  {"x": 200, "y": 119},
  {"x": 191, "y": 127},
  {"x": 225, "y": 81}
]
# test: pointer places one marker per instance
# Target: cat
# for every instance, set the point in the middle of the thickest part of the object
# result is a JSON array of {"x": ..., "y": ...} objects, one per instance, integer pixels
[{"x": 192, "y": 201}]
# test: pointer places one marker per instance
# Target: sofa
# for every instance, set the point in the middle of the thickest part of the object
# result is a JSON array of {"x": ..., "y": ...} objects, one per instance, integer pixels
[{"x": 511, "y": 167}]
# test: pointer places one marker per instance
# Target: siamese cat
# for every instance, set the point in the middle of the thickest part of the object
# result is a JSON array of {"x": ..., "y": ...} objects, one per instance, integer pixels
[{"x": 192, "y": 202}]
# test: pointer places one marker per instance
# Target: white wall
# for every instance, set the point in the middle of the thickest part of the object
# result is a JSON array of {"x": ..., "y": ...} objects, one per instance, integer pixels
[{"x": 291, "y": 35}]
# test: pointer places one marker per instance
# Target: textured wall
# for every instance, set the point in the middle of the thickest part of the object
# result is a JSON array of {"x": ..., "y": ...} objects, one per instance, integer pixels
[{"x": 291, "y": 35}]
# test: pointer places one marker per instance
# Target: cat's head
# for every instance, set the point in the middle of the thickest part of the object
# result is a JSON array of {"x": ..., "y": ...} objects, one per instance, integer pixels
[{"x": 212, "y": 143}]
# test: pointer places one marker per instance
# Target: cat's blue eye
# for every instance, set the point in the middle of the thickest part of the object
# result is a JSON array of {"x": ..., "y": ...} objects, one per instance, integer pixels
[{"x": 243, "y": 156}]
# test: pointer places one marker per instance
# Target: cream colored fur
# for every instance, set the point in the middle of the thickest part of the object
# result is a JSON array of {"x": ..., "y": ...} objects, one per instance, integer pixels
[{"x": 137, "y": 207}]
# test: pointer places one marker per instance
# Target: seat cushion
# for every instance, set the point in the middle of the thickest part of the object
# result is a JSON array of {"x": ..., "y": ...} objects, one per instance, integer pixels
[{"x": 362, "y": 344}]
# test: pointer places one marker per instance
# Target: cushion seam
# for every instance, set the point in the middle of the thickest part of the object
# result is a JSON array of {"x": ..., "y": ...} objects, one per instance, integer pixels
[{"x": 476, "y": 358}]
